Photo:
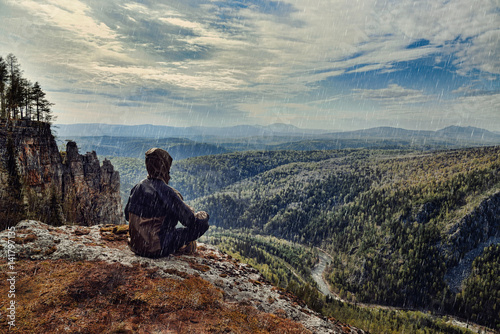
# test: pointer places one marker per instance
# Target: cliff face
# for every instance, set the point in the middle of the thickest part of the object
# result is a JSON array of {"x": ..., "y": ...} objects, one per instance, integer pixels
[
  {"x": 93, "y": 190},
  {"x": 474, "y": 228},
  {"x": 108, "y": 289},
  {"x": 76, "y": 190},
  {"x": 467, "y": 239}
]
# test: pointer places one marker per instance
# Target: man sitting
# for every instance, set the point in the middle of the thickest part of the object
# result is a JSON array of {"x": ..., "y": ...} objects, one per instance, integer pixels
[{"x": 154, "y": 208}]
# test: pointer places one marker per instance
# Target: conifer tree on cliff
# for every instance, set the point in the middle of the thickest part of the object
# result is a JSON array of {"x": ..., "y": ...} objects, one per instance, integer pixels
[
  {"x": 15, "y": 89},
  {"x": 41, "y": 104},
  {"x": 3, "y": 85},
  {"x": 26, "y": 87},
  {"x": 17, "y": 94}
]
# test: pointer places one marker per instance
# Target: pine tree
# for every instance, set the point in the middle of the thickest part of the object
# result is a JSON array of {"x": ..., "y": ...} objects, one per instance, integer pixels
[
  {"x": 41, "y": 104},
  {"x": 14, "y": 90},
  {"x": 3, "y": 86},
  {"x": 38, "y": 98},
  {"x": 27, "y": 98}
]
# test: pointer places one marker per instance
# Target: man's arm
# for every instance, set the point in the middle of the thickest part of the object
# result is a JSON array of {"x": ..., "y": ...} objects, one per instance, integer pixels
[
  {"x": 127, "y": 207},
  {"x": 182, "y": 212},
  {"x": 186, "y": 214}
]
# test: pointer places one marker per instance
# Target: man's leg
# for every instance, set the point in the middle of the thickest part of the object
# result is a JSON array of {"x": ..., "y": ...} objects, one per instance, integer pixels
[{"x": 181, "y": 236}]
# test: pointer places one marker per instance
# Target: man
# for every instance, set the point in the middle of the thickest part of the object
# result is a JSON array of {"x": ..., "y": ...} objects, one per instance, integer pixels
[{"x": 154, "y": 208}]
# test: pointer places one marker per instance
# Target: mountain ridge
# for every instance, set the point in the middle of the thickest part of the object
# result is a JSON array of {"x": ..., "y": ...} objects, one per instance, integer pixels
[
  {"x": 163, "y": 131},
  {"x": 133, "y": 141},
  {"x": 278, "y": 129}
]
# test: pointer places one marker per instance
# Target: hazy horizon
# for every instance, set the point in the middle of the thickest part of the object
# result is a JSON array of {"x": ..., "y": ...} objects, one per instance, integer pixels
[{"x": 308, "y": 130}]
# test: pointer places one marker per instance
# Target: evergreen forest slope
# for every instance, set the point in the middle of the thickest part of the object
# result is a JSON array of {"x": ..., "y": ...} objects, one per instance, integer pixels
[{"x": 396, "y": 222}]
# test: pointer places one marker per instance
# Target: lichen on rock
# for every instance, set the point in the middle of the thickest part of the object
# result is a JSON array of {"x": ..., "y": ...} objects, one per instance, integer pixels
[{"x": 76, "y": 279}]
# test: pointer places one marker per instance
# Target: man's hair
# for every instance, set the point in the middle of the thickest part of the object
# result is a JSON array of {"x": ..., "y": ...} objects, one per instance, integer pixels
[{"x": 158, "y": 163}]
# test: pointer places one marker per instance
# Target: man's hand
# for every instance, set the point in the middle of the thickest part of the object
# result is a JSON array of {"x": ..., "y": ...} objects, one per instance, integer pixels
[{"x": 202, "y": 215}]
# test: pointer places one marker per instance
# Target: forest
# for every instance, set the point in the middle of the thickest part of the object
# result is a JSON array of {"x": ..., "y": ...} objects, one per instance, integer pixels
[
  {"x": 394, "y": 221},
  {"x": 20, "y": 98}
]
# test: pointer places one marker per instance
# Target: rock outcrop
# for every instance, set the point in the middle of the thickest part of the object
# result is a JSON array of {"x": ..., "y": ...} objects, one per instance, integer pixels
[
  {"x": 469, "y": 237},
  {"x": 474, "y": 228},
  {"x": 85, "y": 279},
  {"x": 94, "y": 190},
  {"x": 76, "y": 189}
]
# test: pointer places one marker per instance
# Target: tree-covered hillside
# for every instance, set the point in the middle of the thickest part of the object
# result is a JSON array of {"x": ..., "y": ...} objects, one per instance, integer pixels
[
  {"x": 480, "y": 298},
  {"x": 395, "y": 222},
  {"x": 283, "y": 263},
  {"x": 205, "y": 175}
]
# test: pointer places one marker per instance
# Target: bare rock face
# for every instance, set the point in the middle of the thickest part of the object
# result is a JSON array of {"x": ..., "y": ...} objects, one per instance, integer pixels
[
  {"x": 39, "y": 161},
  {"x": 474, "y": 228},
  {"x": 467, "y": 239},
  {"x": 77, "y": 187},
  {"x": 205, "y": 292},
  {"x": 92, "y": 190}
]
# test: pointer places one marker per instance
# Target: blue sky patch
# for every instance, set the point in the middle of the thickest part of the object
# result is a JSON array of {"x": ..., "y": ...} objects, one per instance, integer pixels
[{"x": 418, "y": 44}]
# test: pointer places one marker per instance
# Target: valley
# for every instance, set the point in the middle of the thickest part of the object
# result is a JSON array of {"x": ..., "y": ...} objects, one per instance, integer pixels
[
  {"x": 318, "y": 271},
  {"x": 395, "y": 222}
]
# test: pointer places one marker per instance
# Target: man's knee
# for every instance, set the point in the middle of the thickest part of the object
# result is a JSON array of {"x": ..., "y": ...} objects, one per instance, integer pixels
[
  {"x": 203, "y": 226},
  {"x": 202, "y": 220}
]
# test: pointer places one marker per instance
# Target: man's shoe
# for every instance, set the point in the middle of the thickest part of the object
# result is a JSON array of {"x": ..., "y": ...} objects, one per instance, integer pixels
[{"x": 190, "y": 248}]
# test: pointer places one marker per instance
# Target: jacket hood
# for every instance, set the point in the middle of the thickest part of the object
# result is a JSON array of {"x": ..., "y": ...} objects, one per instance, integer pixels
[{"x": 158, "y": 163}]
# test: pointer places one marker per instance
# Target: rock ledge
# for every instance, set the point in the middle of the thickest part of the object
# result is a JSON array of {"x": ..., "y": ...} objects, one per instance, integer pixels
[{"x": 101, "y": 249}]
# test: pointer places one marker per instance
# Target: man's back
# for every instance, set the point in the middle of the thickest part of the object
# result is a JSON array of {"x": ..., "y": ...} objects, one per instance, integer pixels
[{"x": 153, "y": 209}]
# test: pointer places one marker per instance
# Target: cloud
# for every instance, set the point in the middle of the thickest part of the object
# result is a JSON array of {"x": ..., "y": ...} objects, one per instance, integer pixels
[
  {"x": 69, "y": 15},
  {"x": 257, "y": 60},
  {"x": 393, "y": 93},
  {"x": 481, "y": 109}
]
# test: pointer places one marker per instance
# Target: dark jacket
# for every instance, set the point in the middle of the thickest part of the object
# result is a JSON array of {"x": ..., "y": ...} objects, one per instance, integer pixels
[{"x": 153, "y": 209}]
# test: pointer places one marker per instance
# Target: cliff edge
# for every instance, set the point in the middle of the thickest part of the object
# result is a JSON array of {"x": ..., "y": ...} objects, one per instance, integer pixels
[
  {"x": 86, "y": 280},
  {"x": 50, "y": 186}
]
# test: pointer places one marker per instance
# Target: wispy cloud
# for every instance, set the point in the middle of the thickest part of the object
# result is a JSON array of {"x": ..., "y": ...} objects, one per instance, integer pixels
[
  {"x": 319, "y": 62},
  {"x": 392, "y": 94}
]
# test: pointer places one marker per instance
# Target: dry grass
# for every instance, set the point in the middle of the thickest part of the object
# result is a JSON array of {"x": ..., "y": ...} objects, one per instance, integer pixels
[{"x": 96, "y": 297}]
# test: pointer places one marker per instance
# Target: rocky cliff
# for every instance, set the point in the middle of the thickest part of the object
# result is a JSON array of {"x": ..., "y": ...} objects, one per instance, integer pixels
[
  {"x": 73, "y": 189},
  {"x": 475, "y": 228},
  {"x": 86, "y": 280},
  {"x": 94, "y": 190},
  {"x": 467, "y": 239}
]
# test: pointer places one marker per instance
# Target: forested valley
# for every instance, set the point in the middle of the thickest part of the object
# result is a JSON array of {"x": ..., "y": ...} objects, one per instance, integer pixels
[{"x": 397, "y": 224}]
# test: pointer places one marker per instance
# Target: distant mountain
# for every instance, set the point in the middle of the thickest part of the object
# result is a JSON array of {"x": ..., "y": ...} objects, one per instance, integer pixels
[
  {"x": 134, "y": 140},
  {"x": 67, "y": 131},
  {"x": 380, "y": 133},
  {"x": 451, "y": 132},
  {"x": 468, "y": 133},
  {"x": 452, "y": 136},
  {"x": 179, "y": 148},
  {"x": 273, "y": 134}
]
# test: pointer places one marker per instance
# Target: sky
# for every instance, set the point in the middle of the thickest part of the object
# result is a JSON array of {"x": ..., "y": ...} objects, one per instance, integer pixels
[{"x": 336, "y": 65}]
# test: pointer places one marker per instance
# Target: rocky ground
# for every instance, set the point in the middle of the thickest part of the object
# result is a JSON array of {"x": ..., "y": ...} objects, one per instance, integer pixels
[{"x": 85, "y": 280}]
